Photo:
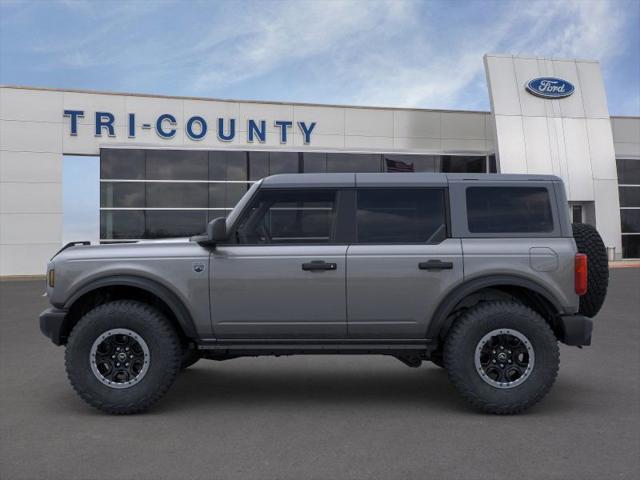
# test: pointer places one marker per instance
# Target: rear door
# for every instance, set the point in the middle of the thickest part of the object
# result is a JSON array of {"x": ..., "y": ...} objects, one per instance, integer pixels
[{"x": 401, "y": 263}]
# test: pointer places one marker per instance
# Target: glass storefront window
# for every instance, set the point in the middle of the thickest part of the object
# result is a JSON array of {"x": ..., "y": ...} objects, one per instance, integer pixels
[
  {"x": 217, "y": 166},
  {"x": 493, "y": 165},
  {"x": 353, "y": 162},
  {"x": 217, "y": 195},
  {"x": 631, "y": 246},
  {"x": 226, "y": 195},
  {"x": 147, "y": 224},
  {"x": 215, "y": 180},
  {"x": 630, "y": 221},
  {"x": 172, "y": 223},
  {"x": 121, "y": 224},
  {"x": 576, "y": 213},
  {"x": 283, "y": 162},
  {"x": 237, "y": 166},
  {"x": 629, "y": 174},
  {"x": 629, "y": 196},
  {"x": 628, "y": 171},
  {"x": 176, "y": 165},
  {"x": 177, "y": 195},
  {"x": 122, "y": 195},
  {"x": 235, "y": 191},
  {"x": 314, "y": 162},
  {"x": 411, "y": 163},
  {"x": 122, "y": 164},
  {"x": 228, "y": 165},
  {"x": 463, "y": 164},
  {"x": 258, "y": 165}
]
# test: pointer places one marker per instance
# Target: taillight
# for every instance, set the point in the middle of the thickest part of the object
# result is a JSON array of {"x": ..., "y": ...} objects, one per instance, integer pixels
[{"x": 581, "y": 273}]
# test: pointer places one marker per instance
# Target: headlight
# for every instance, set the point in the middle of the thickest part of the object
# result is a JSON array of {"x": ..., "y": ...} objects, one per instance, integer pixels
[{"x": 51, "y": 278}]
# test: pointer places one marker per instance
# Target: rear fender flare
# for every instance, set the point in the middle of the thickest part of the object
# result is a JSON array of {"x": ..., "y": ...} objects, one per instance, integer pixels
[{"x": 440, "y": 321}]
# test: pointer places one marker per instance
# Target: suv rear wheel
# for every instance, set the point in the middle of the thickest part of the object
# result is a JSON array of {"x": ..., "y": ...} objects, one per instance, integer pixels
[
  {"x": 502, "y": 357},
  {"x": 123, "y": 356}
]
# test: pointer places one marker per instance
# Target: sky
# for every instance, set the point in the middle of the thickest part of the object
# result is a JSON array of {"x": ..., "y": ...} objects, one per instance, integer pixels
[
  {"x": 378, "y": 53},
  {"x": 387, "y": 53}
]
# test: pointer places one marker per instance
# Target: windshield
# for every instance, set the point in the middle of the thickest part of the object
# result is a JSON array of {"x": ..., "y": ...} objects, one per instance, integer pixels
[{"x": 233, "y": 215}]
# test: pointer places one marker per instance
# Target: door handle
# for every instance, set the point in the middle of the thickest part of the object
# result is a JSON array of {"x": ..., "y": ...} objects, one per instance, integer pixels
[
  {"x": 318, "y": 265},
  {"x": 435, "y": 265}
]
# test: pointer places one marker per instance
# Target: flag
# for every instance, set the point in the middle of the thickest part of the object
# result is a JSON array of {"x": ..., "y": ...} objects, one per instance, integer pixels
[{"x": 398, "y": 166}]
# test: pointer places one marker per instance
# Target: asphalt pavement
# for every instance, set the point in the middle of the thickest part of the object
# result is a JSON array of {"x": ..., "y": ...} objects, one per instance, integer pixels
[{"x": 321, "y": 417}]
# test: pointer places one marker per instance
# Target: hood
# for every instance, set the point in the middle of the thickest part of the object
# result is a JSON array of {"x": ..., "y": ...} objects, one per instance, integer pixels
[{"x": 140, "y": 248}]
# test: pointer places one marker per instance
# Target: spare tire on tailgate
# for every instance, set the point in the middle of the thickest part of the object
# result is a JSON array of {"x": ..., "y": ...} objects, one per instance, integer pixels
[{"x": 590, "y": 243}]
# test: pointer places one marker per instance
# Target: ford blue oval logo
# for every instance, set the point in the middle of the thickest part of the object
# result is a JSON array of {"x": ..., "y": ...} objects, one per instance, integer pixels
[{"x": 550, "y": 87}]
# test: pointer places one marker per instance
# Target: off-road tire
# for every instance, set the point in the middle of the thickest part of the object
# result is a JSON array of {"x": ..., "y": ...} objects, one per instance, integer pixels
[
  {"x": 190, "y": 356},
  {"x": 164, "y": 358},
  {"x": 471, "y": 327},
  {"x": 590, "y": 243}
]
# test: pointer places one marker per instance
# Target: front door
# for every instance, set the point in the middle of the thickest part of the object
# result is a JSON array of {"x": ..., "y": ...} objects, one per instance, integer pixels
[
  {"x": 284, "y": 275},
  {"x": 401, "y": 263}
]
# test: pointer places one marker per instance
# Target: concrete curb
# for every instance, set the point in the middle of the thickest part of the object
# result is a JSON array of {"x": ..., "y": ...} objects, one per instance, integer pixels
[
  {"x": 625, "y": 264},
  {"x": 21, "y": 278}
]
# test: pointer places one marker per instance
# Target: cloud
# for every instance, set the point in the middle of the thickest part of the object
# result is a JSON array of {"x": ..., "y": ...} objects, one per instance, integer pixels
[
  {"x": 386, "y": 56},
  {"x": 560, "y": 29},
  {"x": 387, "y": 52},
  {"x": 275, "y": 38}
]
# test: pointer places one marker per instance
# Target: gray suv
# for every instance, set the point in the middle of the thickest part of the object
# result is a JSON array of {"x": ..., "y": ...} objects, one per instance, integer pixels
[{"x": 479, "y": 274}]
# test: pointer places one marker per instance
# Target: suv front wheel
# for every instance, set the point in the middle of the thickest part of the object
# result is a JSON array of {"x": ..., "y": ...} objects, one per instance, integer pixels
[
  {"x": 123, "y": 356},
  {"x": 502, "y": 357}
]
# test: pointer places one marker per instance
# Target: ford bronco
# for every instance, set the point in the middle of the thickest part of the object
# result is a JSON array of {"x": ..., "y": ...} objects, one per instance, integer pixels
[{"x": 480, "y": 274}]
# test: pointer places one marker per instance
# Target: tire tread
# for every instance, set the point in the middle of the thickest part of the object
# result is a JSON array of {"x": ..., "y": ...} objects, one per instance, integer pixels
[
  {"x": 454, "y": 357},
  {"x": 164, "y": 328},
  {"x": 590, "y": 243}
]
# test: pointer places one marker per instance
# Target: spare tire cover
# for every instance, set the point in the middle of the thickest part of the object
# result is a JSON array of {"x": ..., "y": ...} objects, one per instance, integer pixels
[{"x": 590, "y": 243}]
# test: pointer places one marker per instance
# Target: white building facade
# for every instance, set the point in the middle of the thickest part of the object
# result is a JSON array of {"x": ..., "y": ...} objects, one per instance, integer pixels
[{"x": 170, "y": 164}]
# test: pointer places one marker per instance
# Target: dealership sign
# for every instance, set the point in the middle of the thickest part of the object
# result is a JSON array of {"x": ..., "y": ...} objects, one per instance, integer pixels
[
  {"x": 550, "y": 87},
  {"x": 196, "y": 127}
]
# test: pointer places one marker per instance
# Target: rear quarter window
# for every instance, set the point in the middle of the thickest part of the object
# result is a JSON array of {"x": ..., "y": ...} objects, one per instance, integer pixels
[{"x": 509, "y": 210}]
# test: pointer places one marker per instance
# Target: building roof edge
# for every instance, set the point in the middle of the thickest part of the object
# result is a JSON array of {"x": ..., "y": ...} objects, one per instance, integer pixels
[{"x": 230, "y": 100}]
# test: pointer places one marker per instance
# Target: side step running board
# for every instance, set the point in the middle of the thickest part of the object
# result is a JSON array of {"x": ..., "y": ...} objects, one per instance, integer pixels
[{"x": 314, "y": 347}]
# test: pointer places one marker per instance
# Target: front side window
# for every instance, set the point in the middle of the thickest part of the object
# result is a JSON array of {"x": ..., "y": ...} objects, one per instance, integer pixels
[
  {"x": 509, "y": 210},
  {"x": 288, "y": 217},
  {"x": 388, "y": 215}
]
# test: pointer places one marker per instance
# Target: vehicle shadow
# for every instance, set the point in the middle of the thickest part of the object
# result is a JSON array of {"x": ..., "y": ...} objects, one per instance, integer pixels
[
  {"x": 427, "y": 385},
  {"x": 253, "y": 388}
]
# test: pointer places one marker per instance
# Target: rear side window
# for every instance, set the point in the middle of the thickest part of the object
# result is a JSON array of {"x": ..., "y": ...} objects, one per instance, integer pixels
[
  {"x": 509, "y": 210},
  {"x": 388, "y": 215}
]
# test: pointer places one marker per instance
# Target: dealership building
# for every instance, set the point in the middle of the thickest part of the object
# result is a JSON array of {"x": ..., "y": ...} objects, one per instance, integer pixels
[{"x": 170, "y": 164}]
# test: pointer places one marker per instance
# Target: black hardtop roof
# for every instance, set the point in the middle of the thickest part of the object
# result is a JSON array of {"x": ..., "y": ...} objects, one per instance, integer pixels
[{"x": 319, "y": 180}]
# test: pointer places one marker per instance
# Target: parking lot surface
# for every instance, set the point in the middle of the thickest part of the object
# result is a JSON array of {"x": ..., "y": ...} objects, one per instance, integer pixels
[{"x": 324, "y": 417}]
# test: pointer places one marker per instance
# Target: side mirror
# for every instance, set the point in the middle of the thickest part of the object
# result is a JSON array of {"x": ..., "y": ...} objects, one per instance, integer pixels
[{"x": 217, "y": 230}]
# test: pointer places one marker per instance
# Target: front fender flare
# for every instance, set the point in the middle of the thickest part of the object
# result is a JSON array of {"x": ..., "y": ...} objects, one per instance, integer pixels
[{"x": 177, "y": 307}]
